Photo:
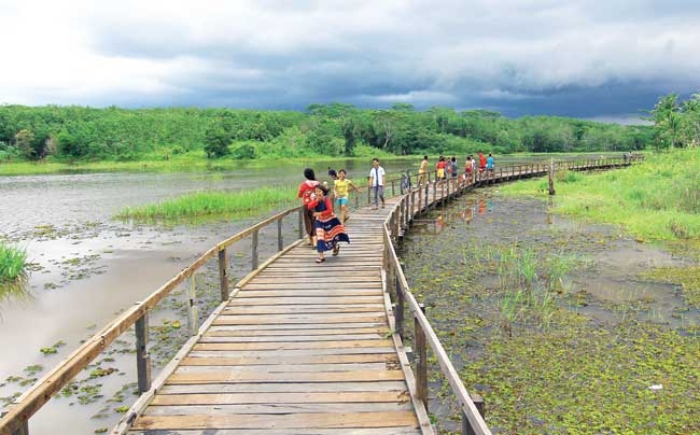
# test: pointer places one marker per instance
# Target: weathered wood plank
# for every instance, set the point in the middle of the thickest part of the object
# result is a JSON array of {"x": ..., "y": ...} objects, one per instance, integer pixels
[
  {"x": 278, "y": 397},
  {"x": 298, "y": 387},
  {"x": 180, "y": 377},
  {"x": 304, "y": 345},
  {"x": 304, "y": 309},
  {"x": 288, "y": 421},
  {"x": 290, "y": 352},
  {"x": 301, "y": 318},
  {"x": 277, "y": 408},
  {"x": 284, "y": 367},
  {"x": 311, "y": 359},
  {"x": 249, "y": 293},
  {"x": 235, "y": 331},
  {"x": 316, "y": 299},
  {"x": 303, "y": 431},
  {"x": 225, "y": 338}
]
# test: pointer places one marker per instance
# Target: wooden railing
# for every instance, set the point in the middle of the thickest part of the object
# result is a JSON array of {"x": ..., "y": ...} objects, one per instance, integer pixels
[
  {"x": 395, "y": 282},
  {"x": 16, "y": 419}
]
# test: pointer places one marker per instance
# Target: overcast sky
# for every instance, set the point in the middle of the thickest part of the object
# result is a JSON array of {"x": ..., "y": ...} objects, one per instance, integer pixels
[{"x": 583, "y": 58}]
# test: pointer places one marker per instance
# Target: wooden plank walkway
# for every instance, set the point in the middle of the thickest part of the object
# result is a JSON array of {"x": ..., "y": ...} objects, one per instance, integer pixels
[{"x": 302, "y": 348}]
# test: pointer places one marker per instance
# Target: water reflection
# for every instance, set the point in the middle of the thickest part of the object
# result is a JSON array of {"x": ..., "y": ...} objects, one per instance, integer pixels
[{"x": 16, "y": 291}]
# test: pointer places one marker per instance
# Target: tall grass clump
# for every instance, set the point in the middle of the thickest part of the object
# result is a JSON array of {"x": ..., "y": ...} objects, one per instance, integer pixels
[
  {"x": 215, "y": 204},
  {"x": 658, "y": 199},
  {"x": 13, "y": 272},
  {"x": 13, "y": 263}
]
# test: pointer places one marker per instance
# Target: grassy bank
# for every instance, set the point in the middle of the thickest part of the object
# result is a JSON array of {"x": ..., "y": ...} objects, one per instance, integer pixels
[
  {"x": 658, "y": 199},
  {"x": 215, "y": 204}
]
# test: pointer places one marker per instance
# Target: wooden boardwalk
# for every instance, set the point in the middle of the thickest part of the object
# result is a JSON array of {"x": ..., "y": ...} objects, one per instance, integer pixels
[{"x": 302, "y": 348}]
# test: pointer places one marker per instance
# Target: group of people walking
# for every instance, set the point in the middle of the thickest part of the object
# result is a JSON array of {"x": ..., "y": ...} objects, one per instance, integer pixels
[
  {"x": 323, "y": 227},
  {"x": 447, "y": 168}
]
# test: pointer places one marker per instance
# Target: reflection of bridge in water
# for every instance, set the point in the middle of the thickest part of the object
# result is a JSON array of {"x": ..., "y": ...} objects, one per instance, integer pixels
[{"x": 298, "y": 347}]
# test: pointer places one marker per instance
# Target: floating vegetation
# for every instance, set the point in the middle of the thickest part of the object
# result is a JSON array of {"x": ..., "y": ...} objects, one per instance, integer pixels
[{"x": 548, "y": 349}]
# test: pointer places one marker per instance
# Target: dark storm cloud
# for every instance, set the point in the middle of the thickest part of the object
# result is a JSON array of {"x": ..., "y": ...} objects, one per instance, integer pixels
[{"x": 577, "y": 58}]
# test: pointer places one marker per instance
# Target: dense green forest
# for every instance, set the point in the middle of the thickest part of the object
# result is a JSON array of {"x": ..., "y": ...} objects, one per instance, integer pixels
[{"x": 87, "y": 134}]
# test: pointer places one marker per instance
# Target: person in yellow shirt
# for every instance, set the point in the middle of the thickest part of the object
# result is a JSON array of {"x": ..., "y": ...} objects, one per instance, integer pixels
[{"x": 341, "y": 190}]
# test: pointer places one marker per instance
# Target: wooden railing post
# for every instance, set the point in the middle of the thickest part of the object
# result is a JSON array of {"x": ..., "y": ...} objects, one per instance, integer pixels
[
  {"x": 280, "y": 239},
  {"x": 421, "y": 360},
  {"x": 223, "y": 275},
  {"x": 19, "y": 427},
  {"x": 398, "y": 315},
  {"x": 393, "y": 192},
  {"x": 479, "y": 403},
  {"x": 254, "y": 251},
  {"x": 143, "y": 359},
  {"x": 192, "y": 310},
  {"x": 302, "y": 229}
]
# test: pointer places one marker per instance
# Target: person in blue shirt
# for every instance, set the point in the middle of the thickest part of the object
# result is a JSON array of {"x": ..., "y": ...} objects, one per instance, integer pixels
[{"x": 489, "y": 163}]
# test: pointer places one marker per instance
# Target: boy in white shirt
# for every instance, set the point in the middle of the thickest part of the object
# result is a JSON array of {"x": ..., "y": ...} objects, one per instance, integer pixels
[{"x": 376, "y": 182}]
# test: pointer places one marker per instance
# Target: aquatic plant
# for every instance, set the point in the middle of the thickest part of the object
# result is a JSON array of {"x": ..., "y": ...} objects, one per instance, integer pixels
[
  {"x": 13, "y": 263},
  {"x": 219, "y": 204}
]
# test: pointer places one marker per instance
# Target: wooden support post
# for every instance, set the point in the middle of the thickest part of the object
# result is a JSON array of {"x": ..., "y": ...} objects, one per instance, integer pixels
[
  {"x": 192, "y": 310},
  {"x": 421, "y": 350},
  {"x": 143, "y": 359},
  {"x": 254, "y": 251},
  {"x": 280, "y": 239},
  {"x": 393, "y": 193},
  {"x": 18, "y": 427},
  {"x": 223, "y": 275},
  {"x": 551, "y": 178},
  {"x": 479, "y": 403},
  {"x": 302, "y": 229},
  {"x": 357, "y": 201},
  {"x": 398, "y": 314}
]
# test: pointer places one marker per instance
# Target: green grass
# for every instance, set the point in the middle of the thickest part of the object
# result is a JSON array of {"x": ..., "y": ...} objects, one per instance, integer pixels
[
  {"x": 13, "y": 272},
  {"x": 13, "y": 262},
  {"x": 215, "y": 204},
  {"x": 658, "y": 199}
]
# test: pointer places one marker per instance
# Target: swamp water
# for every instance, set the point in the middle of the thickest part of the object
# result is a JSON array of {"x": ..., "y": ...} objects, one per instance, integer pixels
[{"x": 551, "y": 321}]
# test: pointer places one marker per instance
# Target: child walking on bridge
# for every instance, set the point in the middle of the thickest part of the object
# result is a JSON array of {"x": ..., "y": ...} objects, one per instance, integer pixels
[
  {"x": 329, "y": 230},
  {"x": 341, "y": 191}
]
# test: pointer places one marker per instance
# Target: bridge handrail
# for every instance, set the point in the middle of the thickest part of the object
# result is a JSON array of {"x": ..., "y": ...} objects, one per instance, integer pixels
[
  {"x": 424, "y": 333},
  {"x": 15, "y": 420}
]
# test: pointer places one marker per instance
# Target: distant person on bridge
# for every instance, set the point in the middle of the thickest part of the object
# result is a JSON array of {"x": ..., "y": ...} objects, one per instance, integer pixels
[
  {"x": 489, "y": 163},
  {"x": 482, "y": 162},
  {"x": 306, "y": 190},
  {"x": 375, "y": 181},
  {"x": 422, "y": 171},
  {"x": 329, "y": 230},
  {"x": 440, "y": 168},
  {"x": 341, "y": 191},
  {"x": 468, "y": 169}
]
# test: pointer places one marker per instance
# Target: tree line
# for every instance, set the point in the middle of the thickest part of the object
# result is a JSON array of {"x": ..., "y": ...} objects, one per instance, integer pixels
[{"x": 84, "y": 133}]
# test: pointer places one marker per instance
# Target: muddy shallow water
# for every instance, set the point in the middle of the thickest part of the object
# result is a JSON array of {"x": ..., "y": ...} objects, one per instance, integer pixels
[{"x": 453, "y": 261}]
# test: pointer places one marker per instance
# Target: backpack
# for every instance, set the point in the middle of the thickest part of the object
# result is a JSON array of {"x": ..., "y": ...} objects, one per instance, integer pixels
[{"x": 310, "y": 186}]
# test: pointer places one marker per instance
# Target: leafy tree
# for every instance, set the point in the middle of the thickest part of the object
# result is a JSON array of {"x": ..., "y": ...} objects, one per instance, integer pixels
[{"x": 217, "y": 142}]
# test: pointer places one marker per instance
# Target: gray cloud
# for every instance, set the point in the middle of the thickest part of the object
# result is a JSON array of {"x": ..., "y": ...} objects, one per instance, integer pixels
[{"x": 577, "y": 58}]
